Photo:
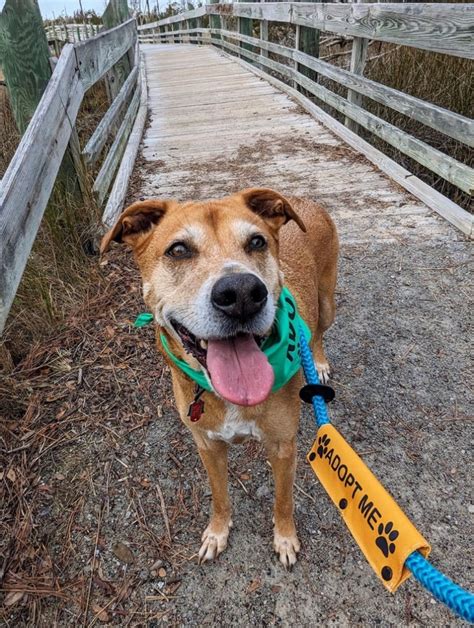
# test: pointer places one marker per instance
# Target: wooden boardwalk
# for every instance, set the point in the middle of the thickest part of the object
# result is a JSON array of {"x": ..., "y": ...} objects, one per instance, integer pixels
[{"x": 215, "y": 128}]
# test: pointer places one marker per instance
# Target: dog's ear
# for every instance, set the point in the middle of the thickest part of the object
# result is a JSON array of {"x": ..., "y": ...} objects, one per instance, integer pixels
[
  {"x": 136, "y": 220},
  {"x": 274, "y": 208}
]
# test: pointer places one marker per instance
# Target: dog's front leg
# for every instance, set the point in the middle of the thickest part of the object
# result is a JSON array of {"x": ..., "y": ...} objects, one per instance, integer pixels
[
  {"x": 214, "y": 539},
  {"x": 282, "y": 456}
]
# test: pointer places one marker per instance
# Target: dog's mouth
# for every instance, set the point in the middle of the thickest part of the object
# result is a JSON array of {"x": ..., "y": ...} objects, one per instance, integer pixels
[{"x": 237, "y": 367}]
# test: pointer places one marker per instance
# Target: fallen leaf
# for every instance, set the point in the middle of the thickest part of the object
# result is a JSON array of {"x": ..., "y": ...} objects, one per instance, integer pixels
[
  {"x": 103, "y": 585},
  {"x": 100, "y": 613},
  {"x": 13, "y": 597},
  {"x": 123, "y": 552},
  {"x": 11, "y": 475},
  {"x": 156, "y": 565},
  {"x": 254, "y": 585},
  {"x": 109, "y": 331}
]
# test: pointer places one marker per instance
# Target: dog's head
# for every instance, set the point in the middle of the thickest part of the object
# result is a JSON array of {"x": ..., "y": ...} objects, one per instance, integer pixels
[{"x": 211, "y": 278}]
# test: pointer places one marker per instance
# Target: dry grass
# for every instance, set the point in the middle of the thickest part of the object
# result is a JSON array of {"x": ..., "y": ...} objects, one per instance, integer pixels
[
  {"x": 9, "y": 136},
  {"x": 63, "y": 263},
  {"x": 441, "y": 79}
]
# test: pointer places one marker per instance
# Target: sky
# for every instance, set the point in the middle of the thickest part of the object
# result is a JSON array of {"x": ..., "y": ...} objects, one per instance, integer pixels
[
  {"x": 51, "y": 8},
  {"x": 56, "y": 8},
  {"x": 59, "y": 7}
]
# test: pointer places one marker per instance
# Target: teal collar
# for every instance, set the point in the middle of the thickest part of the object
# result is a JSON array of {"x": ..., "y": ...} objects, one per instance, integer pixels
[{"x": 281, "y": 347}]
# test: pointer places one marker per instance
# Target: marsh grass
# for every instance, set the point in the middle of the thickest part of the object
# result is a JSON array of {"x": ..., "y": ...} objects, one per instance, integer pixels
[{"x": 63, "y": 264}]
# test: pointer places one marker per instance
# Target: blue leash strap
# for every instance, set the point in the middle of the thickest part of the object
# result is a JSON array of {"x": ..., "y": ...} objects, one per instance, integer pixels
[{"x": 440, "y": 587}]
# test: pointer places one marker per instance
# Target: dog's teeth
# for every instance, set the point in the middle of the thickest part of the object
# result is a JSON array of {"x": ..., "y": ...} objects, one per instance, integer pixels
[{"x": 203, "y": 344}]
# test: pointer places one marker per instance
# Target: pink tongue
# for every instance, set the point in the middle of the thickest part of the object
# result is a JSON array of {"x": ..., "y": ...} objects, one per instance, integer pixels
[{"x": 239, "y": 371}]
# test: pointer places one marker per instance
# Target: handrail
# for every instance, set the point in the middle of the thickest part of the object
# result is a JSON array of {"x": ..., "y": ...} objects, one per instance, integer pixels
[
  {"x": 28, "y": 182},
  {"x": 442, "y": 27},
  {"x": 72, "y": 32},
  {"x": 447, "y": 28}
]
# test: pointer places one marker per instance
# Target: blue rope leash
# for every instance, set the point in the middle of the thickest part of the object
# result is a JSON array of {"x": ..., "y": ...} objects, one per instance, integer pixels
[{"x": 441, "y": 587}]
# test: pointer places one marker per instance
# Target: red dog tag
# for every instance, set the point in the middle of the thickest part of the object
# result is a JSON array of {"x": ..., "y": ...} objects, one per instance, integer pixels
[{"x": 196, "y": 408}]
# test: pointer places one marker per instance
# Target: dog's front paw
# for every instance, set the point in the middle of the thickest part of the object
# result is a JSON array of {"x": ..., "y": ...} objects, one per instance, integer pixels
[
  {"x": 324, "y": 371},
  {"x": 214, "y": 540},
  {"x": 286, "y": 547}
]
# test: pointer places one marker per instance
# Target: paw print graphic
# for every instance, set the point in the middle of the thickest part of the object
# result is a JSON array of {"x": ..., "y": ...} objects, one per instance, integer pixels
[
  {"x": 323, "y": 444},
  {"x": 385, "y": 539}
]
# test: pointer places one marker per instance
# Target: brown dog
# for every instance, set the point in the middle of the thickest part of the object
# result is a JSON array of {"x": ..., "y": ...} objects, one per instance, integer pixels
[{"x": 212, "y": 274}]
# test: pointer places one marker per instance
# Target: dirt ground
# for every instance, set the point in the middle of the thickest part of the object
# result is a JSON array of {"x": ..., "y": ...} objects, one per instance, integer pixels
[
  {"x": 114, "y": 496},
  {"x": 104, "y": 498}
]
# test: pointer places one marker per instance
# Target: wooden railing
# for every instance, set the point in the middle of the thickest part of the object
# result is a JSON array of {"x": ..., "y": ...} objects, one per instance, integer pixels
[
  {"x": 71, "y": 33},
  {"x": 27, "y": 184},
  {"x": 445, "y": 28}
]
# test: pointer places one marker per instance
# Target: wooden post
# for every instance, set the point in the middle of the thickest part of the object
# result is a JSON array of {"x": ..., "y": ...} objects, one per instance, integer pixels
[
  {"x": 246, "y": 28},
  {"x": 358, "y": 59},
  {"x": 307, "y": 40},
  {"x": 215, "y": 20},
  {"x": 116, "y": 13},
  {"x": 25, "y": 58},
  {"x": 25, "y": 61},
  {"x": 263, "y": 37}
]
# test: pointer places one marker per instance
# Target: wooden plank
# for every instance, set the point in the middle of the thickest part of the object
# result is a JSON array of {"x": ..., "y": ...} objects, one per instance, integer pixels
[
  {"x": 96, "y": 143},
  {"x": 445, "y": 121},
  {"x": 181, "y": 17},
  {"x": 358, "y": 59},
  {"x": 442, "y": 27},
  {"x": 453, "y": 171},
  {"x": 116, "y": 199},
  {"x": 433, "y": 199},
  {"x": 111, "y": 162},
  {"x": 30, "y": 177},
  {"x": 97, "y": 55}
]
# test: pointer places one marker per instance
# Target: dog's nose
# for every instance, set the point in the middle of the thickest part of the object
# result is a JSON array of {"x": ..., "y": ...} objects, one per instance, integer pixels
[{"x": 239, "y": 295}]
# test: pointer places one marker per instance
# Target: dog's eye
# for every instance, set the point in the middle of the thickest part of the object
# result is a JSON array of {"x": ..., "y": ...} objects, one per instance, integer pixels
[
  {"x": 257, "y": 243},
  {"x": 179, "y": 250}
]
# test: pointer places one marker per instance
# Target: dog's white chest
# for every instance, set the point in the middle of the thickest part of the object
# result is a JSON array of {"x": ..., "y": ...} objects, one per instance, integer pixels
[{"x": 235, "y": 427}]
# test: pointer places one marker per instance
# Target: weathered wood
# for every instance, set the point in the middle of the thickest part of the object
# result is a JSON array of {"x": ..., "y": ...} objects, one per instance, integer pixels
[
  {"x": 97, "y": 55},
  {"x": 445, "y": 121},
  {"x": 439, "y": 27},
  {"x": 433, "y": 199},
  {"x": 307, "y": 41},
  {"x": 26, "y": 187},
  {"x": 111, "y": 162},
  {"x": 358, "y": 59},
  {"x": 24, "y": 57},
  {"x": 116, "y": 12},
  {"x": 263, "y": 34},
  {"x": 98, "y": 139},
  {"x": 453, "y": 171},
  {"x": 189, "y": 15},
  {"x": 117, "y": 195}
]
